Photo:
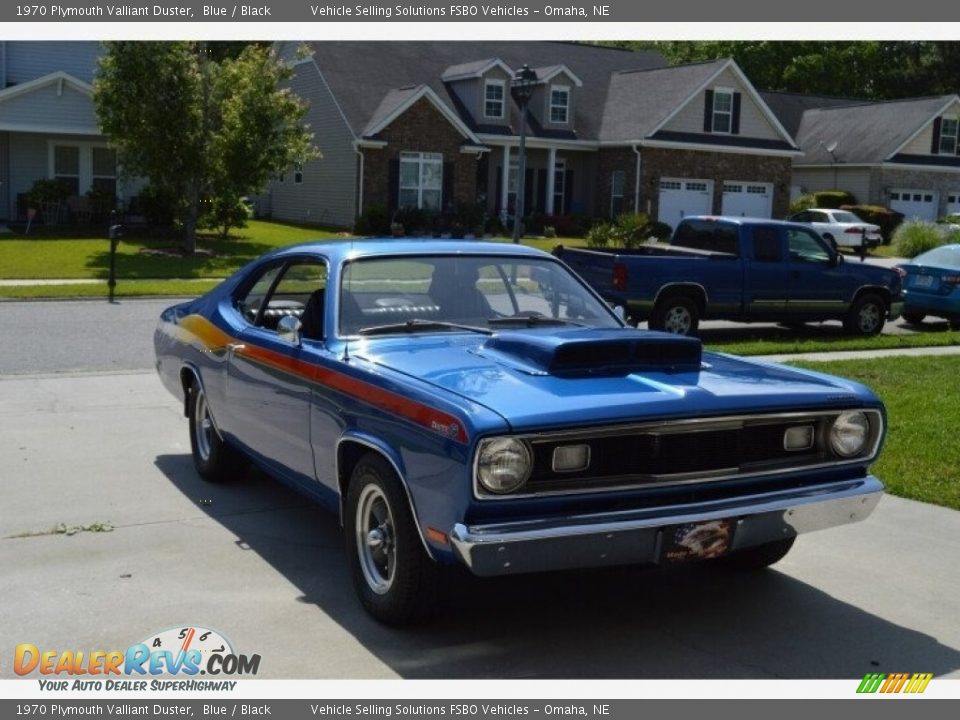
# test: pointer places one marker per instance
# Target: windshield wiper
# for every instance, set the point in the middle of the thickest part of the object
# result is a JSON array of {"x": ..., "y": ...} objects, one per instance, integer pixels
[
  {"x": 531, "y": 321},
  {"x": 417, "y": 325}
]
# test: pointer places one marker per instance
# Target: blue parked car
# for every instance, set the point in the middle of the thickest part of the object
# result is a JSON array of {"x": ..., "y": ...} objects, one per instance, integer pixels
[
  {"x": 478, "y": 404},
  {"x": 932, "y": 285}
]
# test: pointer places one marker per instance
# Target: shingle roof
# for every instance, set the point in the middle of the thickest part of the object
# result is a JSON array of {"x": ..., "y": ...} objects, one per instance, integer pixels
[
  {"x": 864, "y": 133},
  {"x": 790, "y": 107},
  {"x": 645, "y": 98},
  {"x": 363, "y": 75}
]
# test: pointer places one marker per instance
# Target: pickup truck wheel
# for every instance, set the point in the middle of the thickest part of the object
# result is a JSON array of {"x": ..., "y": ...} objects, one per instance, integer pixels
[
  {"x": 678, "y": 315},
  {"x": 213, "y": 458},
  {"x": 867, "y": 316},
  {"x": 395, "y": 579},
  {"x": 914, "y": 318},
  {"x": 760, "y": 556}
]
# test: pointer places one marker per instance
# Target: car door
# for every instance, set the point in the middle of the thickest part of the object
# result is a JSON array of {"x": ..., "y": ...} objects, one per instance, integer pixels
[
  {"x": 270, "y": 378},
  {"x": 815, "y": 282},
  {"x": 766, "y": 280}
]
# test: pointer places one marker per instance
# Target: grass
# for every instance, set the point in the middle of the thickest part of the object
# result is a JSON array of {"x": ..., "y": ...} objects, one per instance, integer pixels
[
  {"x": 138, "y": 288},
  {"x": 821, "y": 338},
  {"x": 921, "y": 458}
]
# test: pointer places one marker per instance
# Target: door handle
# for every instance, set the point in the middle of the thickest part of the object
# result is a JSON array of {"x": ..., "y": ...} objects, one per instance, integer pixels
[{"x": 235, "y": 347}]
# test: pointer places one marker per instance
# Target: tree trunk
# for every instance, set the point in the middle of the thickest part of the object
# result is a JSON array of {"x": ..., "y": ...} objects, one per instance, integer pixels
[{"x": 190, "y": 221}]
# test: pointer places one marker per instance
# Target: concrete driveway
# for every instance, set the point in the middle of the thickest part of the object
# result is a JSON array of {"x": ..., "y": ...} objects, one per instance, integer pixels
[{"x": 257, "y": 563}]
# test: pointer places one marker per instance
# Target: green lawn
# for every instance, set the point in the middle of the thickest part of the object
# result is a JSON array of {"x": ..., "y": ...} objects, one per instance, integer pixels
[
  {"x": 921, "y": 458},
  {"x": 816, "y": 338}
]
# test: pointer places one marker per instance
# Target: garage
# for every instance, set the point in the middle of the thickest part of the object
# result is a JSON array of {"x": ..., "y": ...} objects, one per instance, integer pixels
[
  {"x": 747, "y": 199},
  {"x": 953, "y": 203},
  {"x": 914, "y": 204},
  {"x": 680, "y": 197}
]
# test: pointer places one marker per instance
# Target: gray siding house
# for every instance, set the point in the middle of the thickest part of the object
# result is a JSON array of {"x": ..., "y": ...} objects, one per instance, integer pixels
[
  {"x": 904, "y": 154},
  {"x": 48, "y": 127},
  {"x": 432, "y": 125}
]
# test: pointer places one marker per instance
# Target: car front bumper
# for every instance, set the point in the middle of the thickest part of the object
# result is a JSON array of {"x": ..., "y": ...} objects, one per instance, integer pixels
[{"x": 638, "y": 536}]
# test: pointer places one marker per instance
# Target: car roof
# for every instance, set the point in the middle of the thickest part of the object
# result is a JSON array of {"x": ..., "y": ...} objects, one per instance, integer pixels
[
  {"x": 340, "y": 250},
  {"x": 737, "y": 220}
]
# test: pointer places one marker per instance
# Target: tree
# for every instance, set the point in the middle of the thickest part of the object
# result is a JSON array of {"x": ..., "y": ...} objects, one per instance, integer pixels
[{"x": 202, "y": 131}]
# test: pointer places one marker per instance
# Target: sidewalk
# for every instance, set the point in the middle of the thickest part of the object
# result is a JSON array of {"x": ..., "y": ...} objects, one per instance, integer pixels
[{"x": 96, "y": 281}]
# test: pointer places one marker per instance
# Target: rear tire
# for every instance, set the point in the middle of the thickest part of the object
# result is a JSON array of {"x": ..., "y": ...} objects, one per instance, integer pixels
[
  {"x": 214, "y": 459},
  {"x": 395, "y": 579},
  {"x": 955, "y": 324},
  {"x": 678, "y": 314},
  {"x": 759, "y": 556},
  {"x": 867, "y": 316},
  {"x": 914, "y": 318}
]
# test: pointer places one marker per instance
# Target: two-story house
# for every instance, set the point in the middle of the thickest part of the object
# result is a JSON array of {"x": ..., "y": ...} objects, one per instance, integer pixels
[
  {"x": 904, "y": 154},
  {"x": 433, "y": 125},
  {"x": 48, "y": 125}
]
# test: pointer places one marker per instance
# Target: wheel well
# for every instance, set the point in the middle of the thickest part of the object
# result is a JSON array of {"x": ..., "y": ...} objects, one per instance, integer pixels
[
  {"x": 187, "y": 376},
  {"x": 883, "y": 292},
  {"x": 695, "y": 292}
]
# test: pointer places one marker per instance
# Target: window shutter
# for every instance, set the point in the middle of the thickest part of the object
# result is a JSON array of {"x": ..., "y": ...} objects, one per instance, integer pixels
[
  {"x": 541, "y": 189},
  {"x": 708, "y": 111},
  {"x": 448, "y": 201},
  {"x": 567, "y": 191},
  {"x": 935, "y": 145},
  {"x": 496, "y": 203},
  {"x": 483, "y": 176},
  {"x": 735, "y": 117},
  {"x": 393, "y": 186}
]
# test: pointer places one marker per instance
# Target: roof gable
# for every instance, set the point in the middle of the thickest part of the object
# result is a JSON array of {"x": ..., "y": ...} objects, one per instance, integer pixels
[
  {"x": 399, "y": 100},
  {"x": 479, "y": 68}
]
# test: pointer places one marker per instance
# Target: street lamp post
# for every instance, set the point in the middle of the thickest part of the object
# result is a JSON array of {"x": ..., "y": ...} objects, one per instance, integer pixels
[{"x": 521, "y": 88}]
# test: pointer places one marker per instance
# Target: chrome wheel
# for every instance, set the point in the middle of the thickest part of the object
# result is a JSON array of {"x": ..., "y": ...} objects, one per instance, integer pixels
[
  {"x": 376, "y": 539},
  {"x": 870, "y": 318},
  {"x": 202, "y": 425},
  {"x": 677, "y": 320}
]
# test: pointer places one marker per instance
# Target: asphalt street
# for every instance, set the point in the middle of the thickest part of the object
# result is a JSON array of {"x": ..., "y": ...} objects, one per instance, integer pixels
[{"x": 90, "y": 439}]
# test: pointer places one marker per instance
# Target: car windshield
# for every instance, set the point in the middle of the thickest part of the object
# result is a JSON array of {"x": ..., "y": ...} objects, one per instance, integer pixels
[
  {"x": 845, "y": 217},
  {"x": 945, "y": 256},
  {"x": 379, "y": 295}
]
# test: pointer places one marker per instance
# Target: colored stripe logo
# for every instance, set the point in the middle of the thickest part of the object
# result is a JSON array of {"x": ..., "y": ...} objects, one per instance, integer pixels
[{"x": 904, "y": 683}]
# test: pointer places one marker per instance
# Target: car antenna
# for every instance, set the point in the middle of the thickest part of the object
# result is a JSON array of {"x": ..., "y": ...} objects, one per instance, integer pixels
[{"x": 346, "y": 350}]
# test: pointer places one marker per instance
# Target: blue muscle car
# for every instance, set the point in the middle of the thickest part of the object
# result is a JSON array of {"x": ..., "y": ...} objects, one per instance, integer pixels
[{"x": 478, "y": 403}]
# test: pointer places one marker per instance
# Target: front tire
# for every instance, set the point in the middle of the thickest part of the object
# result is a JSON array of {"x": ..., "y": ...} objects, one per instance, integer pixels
[
  {"x": 213, "y": 458},
  {"x": 867, "y": 316},
  {"x": 395, "y": 579},
  {"x": 759, "y": 556},
  {"x": 679, "y": 315}
]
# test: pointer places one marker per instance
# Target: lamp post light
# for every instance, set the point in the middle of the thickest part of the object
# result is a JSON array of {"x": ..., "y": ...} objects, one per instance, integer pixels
[{"x": 521, "y": 88}]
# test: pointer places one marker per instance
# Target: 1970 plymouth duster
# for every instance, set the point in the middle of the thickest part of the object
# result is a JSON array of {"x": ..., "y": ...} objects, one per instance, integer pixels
[{"x": 478, "y": 403}]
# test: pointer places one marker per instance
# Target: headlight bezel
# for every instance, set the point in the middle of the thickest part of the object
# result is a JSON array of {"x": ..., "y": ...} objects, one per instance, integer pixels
[
  {"x": 861, "y": 417},
  {"x": 488, "y": 445}
]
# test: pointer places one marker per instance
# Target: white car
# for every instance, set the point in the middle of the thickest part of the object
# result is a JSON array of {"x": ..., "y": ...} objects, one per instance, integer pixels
[{"x": 841, "y": 227}]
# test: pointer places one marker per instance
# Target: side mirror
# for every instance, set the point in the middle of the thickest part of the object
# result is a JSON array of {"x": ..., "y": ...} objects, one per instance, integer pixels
[{"x": 289, "y": 329}]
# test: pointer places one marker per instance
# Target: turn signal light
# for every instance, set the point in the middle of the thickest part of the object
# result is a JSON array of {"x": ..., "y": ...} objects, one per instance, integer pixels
[{"x": 619, "y": 276}]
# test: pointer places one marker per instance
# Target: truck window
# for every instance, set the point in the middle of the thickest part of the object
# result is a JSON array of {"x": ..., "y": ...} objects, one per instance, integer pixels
[
  {"x": 707, "y": 235},
  {"x": 806, "y": 247},
  {"x": 766, "y": 244}
]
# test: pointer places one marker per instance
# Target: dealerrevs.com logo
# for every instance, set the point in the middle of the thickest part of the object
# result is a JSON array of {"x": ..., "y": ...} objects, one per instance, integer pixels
[
  {"x": 182, "y": 651},
  {"x": 893, "y": 683}
]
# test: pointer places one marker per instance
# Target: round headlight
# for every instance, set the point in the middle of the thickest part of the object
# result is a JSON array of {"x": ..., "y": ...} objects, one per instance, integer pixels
[
  {"x": 503, "y": 464},
  {"x": 849, "y": 433}
]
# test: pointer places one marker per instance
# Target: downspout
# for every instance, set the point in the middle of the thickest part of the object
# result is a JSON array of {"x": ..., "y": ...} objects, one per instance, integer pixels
[
  {"x": 636, "y": 189},
  {"x": 358, "y": 151}
]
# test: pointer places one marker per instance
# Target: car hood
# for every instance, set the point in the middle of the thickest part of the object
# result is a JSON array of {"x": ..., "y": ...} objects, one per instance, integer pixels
[{"x": 517, "y": 375}]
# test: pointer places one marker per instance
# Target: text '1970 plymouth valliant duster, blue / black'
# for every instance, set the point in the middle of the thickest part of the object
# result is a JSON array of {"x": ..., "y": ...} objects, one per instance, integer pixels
[{"x": 477, "y": 403}]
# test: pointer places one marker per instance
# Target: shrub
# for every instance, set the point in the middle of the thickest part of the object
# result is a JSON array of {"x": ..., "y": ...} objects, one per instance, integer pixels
[
  {"x": 600, "y": 235},
  {"x": 833, "y": 198},
  {"x": 918, "y": 236},
  {"x": 374, "y": 221},
  {"x": 223, "y": 212},
  {"x": 804, "y": 202},
  {"x": 569, "y": 225},
  {"x": 416, "y": 222},
  {"x": 661, "y": 231},
  {"x": 48, "y": 190},
  {"x": 885, "y": 218},
  {"x": 549, "y": 231},
  {"x": 631, "y": 229},
  {"x": 952, "y": 220}
]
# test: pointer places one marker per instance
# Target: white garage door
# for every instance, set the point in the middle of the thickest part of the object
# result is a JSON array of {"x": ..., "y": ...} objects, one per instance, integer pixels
[
  {"x": 747, "y": 199},
  {"x": 680, "y": 197},
  {"x": 914, "y": 204},
  {"x": 953, "y": 203}
]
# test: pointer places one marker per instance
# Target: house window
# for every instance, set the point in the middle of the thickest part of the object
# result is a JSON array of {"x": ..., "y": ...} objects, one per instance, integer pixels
[
  {"x": 105, "y": 171},
  {"x": 298, "y": 173},
  {"x": 493, "y": 91},
  {"x": 66, "y": 166},
  {"x": 559, "y": 103},
  {"x": 618, "y": 180},
  {"x": 421, "y": 180},
  {"x": 948, "y": 136},
  {"x": 722, "y": 110},
  {"x": 559, "y": 185}
]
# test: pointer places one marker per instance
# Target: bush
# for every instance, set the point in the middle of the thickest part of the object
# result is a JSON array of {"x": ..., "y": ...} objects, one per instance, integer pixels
[
  {"x": 660, "y": 231},
  {"x": 569, "y": 225},
  {"x": 549, "y": 231},
  {"x": 833, "y": 199},
  {"x": 600, "y": 235},
  {"x": 223, "y": 212},
  {"x": 885, "y": 218},
  {"x": 804, "y": 202},
  {"x": 416, "y": 222},
  {"x": 952, "y": 220},
  {"x": 918, "y": 236},
  {"x": 159, "y": 207},
  {"x": 374, "y": 221},
  {"x": 48, "y": 190}
]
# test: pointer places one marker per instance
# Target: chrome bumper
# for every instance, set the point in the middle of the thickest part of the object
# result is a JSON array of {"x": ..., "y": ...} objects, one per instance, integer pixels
[{"x": 636, "y": 536}]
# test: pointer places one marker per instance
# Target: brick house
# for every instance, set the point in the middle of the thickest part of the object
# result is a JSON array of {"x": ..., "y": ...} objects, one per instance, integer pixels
[
  {"x": 904, "y": 154},
  {"x": 432, "y": 125}
]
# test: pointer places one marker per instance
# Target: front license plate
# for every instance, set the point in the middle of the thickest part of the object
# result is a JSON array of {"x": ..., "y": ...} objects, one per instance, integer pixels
[
  {"x": 923, "y": 281},
  {"x": 696, "y": 541}
]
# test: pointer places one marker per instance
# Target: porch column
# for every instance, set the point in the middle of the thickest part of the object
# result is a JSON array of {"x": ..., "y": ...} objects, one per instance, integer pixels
[
  {"x": 551, "y": 179},
  {"x": 505, "y": 183}
]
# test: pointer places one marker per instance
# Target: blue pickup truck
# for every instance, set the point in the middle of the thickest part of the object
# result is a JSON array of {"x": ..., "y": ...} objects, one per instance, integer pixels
[{"x": 742, "y": 269}]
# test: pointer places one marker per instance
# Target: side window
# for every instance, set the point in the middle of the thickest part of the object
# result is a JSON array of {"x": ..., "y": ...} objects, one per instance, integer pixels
[
  {"x": 766, "y": 245},
  {"x": 806, "y": 247},
  {"x": 249, "y": 303},
  {"x": 299, "y": 293},
  {"x": 819, "y": 217}
]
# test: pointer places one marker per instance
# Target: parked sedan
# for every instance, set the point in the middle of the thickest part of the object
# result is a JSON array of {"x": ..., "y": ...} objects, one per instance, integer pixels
[
  {"x": 931, "y": 285},
  {"x": 841, "y": 227},
  {"x": 478, "y": 404}
]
